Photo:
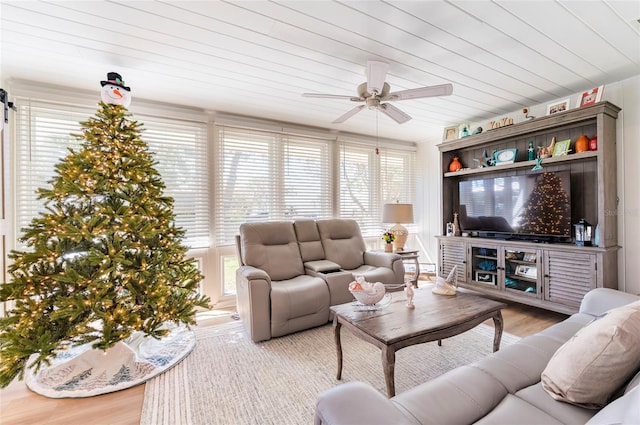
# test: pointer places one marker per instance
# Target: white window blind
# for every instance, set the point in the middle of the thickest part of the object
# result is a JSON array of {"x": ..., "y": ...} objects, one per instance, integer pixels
[
  {"x": 43, "y": 135},
  {"x": 180, "y": 147},
  {"x": 369, "y": 179},
  {"x": 268, "y": 176},
  {"x": 359, "y": 187}
]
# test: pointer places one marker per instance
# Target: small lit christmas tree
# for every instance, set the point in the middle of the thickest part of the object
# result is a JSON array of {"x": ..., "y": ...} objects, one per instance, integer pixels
[
  {"x": 105, "y": 259},
  {"x": 547, "y": 209}
]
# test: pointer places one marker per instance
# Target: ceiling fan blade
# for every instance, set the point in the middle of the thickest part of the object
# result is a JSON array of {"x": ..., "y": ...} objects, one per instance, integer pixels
[
  {"x": 348, "y": 115},
  {"x": 420, "y": 92},
  {"x": 332, "y": 96},
  {"x": 394, "y": 113},
  {"x": 376, "y": 74}
]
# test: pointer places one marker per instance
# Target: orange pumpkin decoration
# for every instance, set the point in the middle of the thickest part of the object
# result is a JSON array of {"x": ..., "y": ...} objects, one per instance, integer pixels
[{"x": 582, "y": 144}]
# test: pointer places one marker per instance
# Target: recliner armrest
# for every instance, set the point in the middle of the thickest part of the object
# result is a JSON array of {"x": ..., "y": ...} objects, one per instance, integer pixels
[
  {"x": 252, "y": 273},
  {"x": 357, "y": 403},
  {"x": 600, "y": 300},
  {"x": 381, "y": 259},
  {"x": 322, "y": 266},
  {"x": 253, "y": 288}
]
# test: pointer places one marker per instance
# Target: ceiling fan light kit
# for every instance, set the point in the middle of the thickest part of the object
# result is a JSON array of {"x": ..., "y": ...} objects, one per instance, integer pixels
[{"x": 376, "y": 90}]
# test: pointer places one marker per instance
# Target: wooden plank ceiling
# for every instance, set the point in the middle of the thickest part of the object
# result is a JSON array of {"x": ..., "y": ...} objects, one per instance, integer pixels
[{"x": 256, "y": 58}]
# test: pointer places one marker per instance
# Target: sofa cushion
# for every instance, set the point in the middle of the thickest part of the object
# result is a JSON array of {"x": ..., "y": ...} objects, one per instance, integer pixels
[
  {"x": 513, "y": 410},
  {"x": 272, "y": 247},
  {"x": 598, "y": 360},
  {"x": 519, "y": 365},
  {"x": 566, "y": 413},
  {"x": 309, "y": 240},
  {"x": 460, "y": 396},
  {"x": 624, "y": 410},
  {"x": 342, "y": 242}
]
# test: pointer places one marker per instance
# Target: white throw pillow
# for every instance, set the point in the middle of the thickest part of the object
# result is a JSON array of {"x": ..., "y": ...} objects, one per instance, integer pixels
[{"x": 599, "y": 359}]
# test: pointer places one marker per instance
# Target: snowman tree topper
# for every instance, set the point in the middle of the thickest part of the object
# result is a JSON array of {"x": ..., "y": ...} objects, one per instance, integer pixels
[{"x": 114, "y": 90}]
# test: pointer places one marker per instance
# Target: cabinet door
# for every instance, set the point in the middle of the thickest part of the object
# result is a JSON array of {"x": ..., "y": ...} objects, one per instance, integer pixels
[
  {"x": 568, "y": 276},
  {"x": 522, "y": 271},
  {"x": 453, "y": 253},
  {"x": 484, "y": 266}
]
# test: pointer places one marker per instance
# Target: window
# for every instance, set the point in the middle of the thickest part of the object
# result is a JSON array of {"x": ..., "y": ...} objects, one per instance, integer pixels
[
  {"x": 259, "y": 172},
  {"x": 267, "y": 176},
  {"x": 369, "y": 179},
  {"x": 43, "y": 135}
]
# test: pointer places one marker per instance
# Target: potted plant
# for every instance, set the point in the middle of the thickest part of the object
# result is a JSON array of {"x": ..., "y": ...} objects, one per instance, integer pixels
[{"x": 388, "y": 237}]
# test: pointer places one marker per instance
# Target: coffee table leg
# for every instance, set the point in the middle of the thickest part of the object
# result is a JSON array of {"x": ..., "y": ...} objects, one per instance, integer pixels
[
  {"x": 497, "y": 335},
  {"x": 389, "y": 366},
  {"x": 336, "y": 337}
]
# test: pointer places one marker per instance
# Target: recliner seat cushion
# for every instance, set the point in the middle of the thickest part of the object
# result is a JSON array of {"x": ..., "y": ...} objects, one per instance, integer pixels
[
  {"x": 342, "y": 242},
  {"x": 297, "y": 304},
  {"x": 272, "y": 247}
]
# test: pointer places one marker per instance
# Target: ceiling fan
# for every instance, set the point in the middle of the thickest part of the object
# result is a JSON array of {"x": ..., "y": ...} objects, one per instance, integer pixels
[{"x": 376, "y": 90}]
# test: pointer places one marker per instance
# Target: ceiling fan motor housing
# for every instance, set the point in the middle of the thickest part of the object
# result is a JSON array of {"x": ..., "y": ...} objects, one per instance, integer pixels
[{"x": 372, "y": 102}]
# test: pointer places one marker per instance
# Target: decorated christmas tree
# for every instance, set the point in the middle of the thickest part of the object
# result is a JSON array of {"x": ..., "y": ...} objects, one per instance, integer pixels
[
  {"x": 105, "y": 258},
  {"x": 547, "y": 209}
]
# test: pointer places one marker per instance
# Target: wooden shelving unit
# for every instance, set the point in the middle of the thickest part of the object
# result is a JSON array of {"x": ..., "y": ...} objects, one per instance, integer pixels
[{"x": 564, "y": 272}]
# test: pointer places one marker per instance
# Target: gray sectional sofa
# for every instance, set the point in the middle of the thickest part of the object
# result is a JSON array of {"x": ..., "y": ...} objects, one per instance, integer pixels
[
  {"x": 505, "y": 387},
  {"x": 291, "y": 272}
]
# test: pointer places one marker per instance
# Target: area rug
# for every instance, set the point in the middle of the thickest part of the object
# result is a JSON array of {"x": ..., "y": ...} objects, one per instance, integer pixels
[{"x": 228, "y": 379}]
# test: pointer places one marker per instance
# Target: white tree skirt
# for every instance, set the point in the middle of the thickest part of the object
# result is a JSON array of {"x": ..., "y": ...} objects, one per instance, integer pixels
[{"x": 84, "y": 372}]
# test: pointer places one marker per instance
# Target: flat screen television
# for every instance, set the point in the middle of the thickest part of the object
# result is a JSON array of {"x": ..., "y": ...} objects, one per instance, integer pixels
[{"x": 533, "y": 207}]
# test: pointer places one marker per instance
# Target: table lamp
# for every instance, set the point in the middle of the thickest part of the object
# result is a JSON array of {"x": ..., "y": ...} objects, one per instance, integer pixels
[{"x": 398, "y": 213}]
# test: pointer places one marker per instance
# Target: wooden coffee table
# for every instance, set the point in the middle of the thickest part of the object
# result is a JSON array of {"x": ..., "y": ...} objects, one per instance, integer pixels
[{"x": 434, "y": 318}]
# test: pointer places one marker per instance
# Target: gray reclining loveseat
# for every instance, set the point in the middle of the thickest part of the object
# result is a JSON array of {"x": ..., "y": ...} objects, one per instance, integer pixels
[{"x": 291, "y": 272}]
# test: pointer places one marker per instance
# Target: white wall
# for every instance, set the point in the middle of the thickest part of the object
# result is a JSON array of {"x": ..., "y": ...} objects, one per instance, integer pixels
[{"x": 624, "y": 94}]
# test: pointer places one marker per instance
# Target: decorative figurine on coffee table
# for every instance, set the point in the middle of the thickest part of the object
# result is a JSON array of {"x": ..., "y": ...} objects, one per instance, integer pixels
[
  {"x": 446, "y": 286},
  {"x": 410, "y": 294}
]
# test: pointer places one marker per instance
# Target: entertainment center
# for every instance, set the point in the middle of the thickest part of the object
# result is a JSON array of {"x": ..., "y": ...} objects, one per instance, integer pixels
[{"x": 518, "y": 222}]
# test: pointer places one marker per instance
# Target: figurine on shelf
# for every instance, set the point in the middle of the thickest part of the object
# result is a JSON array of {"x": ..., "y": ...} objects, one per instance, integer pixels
[
  {"x": 477, "y": 131},
  {"x": 456, "y": 225},
  {"x": 531, "y": 151},
  {"x": 525, "y": 111},
  {"x": 410, "y": 294},
  {"x": 538, "y": 165},
  {"x": 547, "y": 151}
]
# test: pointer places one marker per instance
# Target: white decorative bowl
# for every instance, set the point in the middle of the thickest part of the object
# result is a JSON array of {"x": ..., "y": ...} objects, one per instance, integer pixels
[{"x": 366, "y": 298}]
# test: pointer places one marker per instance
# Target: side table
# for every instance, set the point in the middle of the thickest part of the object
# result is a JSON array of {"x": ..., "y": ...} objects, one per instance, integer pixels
[{"x": 411, "y": 255}]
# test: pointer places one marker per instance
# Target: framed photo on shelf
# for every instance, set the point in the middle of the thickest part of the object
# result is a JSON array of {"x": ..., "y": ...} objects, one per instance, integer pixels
[
  {"x": 590, "y": 97},
  {"x": 559, "y": 106},
  {"x": 488, "y": 278},
  {"x": 526, "y": 271},
  {"x": 561, "y": 147},
  {"x": 530, "y": 257},
  {"x": 450, "y": 133}
]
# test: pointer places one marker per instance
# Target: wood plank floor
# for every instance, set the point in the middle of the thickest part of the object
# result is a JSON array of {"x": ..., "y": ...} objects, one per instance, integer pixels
[{"x": 20, "y": 406}]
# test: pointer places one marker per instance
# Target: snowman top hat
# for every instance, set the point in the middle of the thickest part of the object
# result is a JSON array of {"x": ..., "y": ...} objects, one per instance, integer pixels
[{"x": 115, "y": 79}]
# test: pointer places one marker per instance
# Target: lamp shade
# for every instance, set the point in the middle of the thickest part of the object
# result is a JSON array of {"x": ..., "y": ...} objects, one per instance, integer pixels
[{"x": 397, "y": 213}]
